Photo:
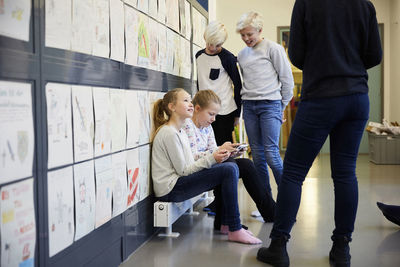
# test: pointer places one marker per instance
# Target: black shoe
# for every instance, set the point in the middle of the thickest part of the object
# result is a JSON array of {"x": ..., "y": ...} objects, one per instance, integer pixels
[
  {"x": 339, "y": 256},
  {"x": 276, "y": 254},
  {"x": 392, "y": 213},
  {"x": 210, "y": 207}
]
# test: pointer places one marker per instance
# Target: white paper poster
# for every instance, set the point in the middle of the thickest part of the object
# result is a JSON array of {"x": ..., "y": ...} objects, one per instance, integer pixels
[
  {"x": 182, "y": 17},
  {"x": 144, "y": 43},
  {"x": 172, "y": 14},
  {"x": 15, "y": 18},
  {"x": 18, "y": 226},
  {"x": 132, "y": 3},
  {"x": 185, "y": 64},
  {"x": 102, "y": 114},
  {"x": 101, "y": 17},
  {"x": 177, "y": 54},
  {"x": 144, "y": 115},
  {"x": 132, "y": 118},
  {"x": 144, "y": 171},
  {"x": 195, "y": 50},
  {"x": 153, "y": 9},
  {"x": 143, "y": 5},
  {"x": 60, "y": 202},
  {"x": 120, "y": 188},
  {"x": 131, "y": 36},
  {"x": 153, "y": 39},
  {"x": 162, "y": 48},
  {"x": 58, "y": 20},
  {"x": 133, "y": 166},
  {"x": 162, "y": 11},
  {"x": 82, "y": 107},
  {"x": 85, "y": 198},
  {"x": 153, "y": 97},
  {"x": 188, "y": 21},
  {"x": 117, "y": 30},
  {"x": 104, "y": 184},
  {"x": 170, "y": 51},
  {"x": 118, "y": 119},
  {"x": 82, "y": 26},
  {"x": 59, "y": 124},
  {"x": 17, "y": 133}
]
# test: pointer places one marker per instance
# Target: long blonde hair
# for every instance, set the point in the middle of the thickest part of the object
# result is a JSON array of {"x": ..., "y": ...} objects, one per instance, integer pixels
[{"x": 161, "y": 112}]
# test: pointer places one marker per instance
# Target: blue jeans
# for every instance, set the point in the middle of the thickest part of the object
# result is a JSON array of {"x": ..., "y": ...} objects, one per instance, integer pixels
[
  {"x": 263, "y": 120},
  {"x": 343, "y": 119},
  {"x": 224, "y": 174}
]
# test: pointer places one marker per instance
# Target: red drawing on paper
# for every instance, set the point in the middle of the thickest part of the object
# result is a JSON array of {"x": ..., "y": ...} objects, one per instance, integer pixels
[{"x": 133, "y": 184}]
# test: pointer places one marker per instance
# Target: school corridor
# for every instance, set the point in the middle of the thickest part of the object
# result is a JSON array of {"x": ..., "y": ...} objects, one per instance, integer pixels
[{"x": 376, "y": 241}]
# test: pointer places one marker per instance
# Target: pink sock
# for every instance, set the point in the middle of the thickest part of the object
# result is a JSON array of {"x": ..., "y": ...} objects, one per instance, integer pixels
[
  {"x": 242, "y": 236},
  {"x": 224, "y": 229}
]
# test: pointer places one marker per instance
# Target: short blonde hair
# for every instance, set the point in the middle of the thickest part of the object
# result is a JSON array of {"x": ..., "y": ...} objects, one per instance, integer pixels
[
  {"x": 204, "y": 98},
  {"x": 252, "y": 19},
  {"x": 215, "y": 33}
]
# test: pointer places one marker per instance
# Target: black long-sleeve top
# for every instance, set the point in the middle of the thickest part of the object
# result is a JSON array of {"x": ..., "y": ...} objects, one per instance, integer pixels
[{"x": 334, "y": 42}]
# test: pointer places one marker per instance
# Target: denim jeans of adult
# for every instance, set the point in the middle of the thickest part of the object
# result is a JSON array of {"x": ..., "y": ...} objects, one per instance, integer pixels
[
  {"x": 254, "y": 186},
  {"x": 343, "y": 119},
  {"x": 224, "y": 174},
  {"x": 263, "y": 120}
]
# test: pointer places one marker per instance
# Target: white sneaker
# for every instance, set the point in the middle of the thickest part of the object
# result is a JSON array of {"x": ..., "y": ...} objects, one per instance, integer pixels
[{"x": 255, "y": 213}]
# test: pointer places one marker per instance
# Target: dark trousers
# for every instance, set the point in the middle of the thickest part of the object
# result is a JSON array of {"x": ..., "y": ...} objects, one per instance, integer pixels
[
  {"x": 256, "y": 188},
  {"x": 224, "y": 175},
  {"x": 223, "y": 127},
  {"x": 343, "y": 119}
]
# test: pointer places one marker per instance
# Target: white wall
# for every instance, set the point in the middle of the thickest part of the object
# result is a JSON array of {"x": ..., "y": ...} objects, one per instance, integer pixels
[
  {"x": 278, "y": 13},
  {"x": 395, "y": 60}
]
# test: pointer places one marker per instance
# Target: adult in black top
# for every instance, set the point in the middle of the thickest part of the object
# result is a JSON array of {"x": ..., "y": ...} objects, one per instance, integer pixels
[{"x": 333, "y": 42}]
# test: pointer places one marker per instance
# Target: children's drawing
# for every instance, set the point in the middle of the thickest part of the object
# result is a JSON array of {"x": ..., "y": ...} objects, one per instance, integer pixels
[
  {"x": 144, "y": 115},
  {"x": 104, "y": 185},
  {"x": 131, "y": 36},
  {"x": 85, "y": 198},
  {"x": 162, "y": 48},
  {"x": 153, "y": 8},
  {"x": 82, "y": 110},
  {"x": 188, "y": 21},
  {"x": 17, "y": 131},
  {"x": 153, "y": 97},
  {"x": 117, "y": 30},
  {"x": 15, "y": 17},
  {"x": 118, "y": 119},
  {"x": 58, "y": 28},
  {"x": 18, "y": 226},
  {"x": 153, "y": 39},
  {"x": 172, "y": 14},
  {"x": 83, "y": 26},
  {"x": 144, "y": 172},
  {"x": 102, "y": 114},
  {"x": 162, "y": 11},
  {"x": 120, "y": 187},
  {"x": 133, "y": 167},
  {"x": 143, "y": 5},
  {"x": 101, "y": 17},
  {"x": 60, "y": 202},
  {"x": 133, "y": 118},
  {"x": 59, "y": 124},
  {"x": 143, "y": 45}
]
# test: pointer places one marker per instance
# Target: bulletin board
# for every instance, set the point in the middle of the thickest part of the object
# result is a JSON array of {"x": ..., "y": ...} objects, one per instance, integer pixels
[{"x": 62, "y": 63}]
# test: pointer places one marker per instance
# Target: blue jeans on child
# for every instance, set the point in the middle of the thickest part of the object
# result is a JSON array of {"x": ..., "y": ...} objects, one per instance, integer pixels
[
  {"x": 224, "y": 174},
  {"x": 343, "y": 119},
  {"x": 263, "y": 120}
]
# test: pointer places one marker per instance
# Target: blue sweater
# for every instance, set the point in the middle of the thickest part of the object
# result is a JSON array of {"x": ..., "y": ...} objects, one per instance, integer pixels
[{"x": 334, "y": 42}]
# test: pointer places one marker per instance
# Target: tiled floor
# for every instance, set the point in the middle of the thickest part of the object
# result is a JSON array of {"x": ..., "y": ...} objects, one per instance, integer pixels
[{"x": 376, "y": 241}]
